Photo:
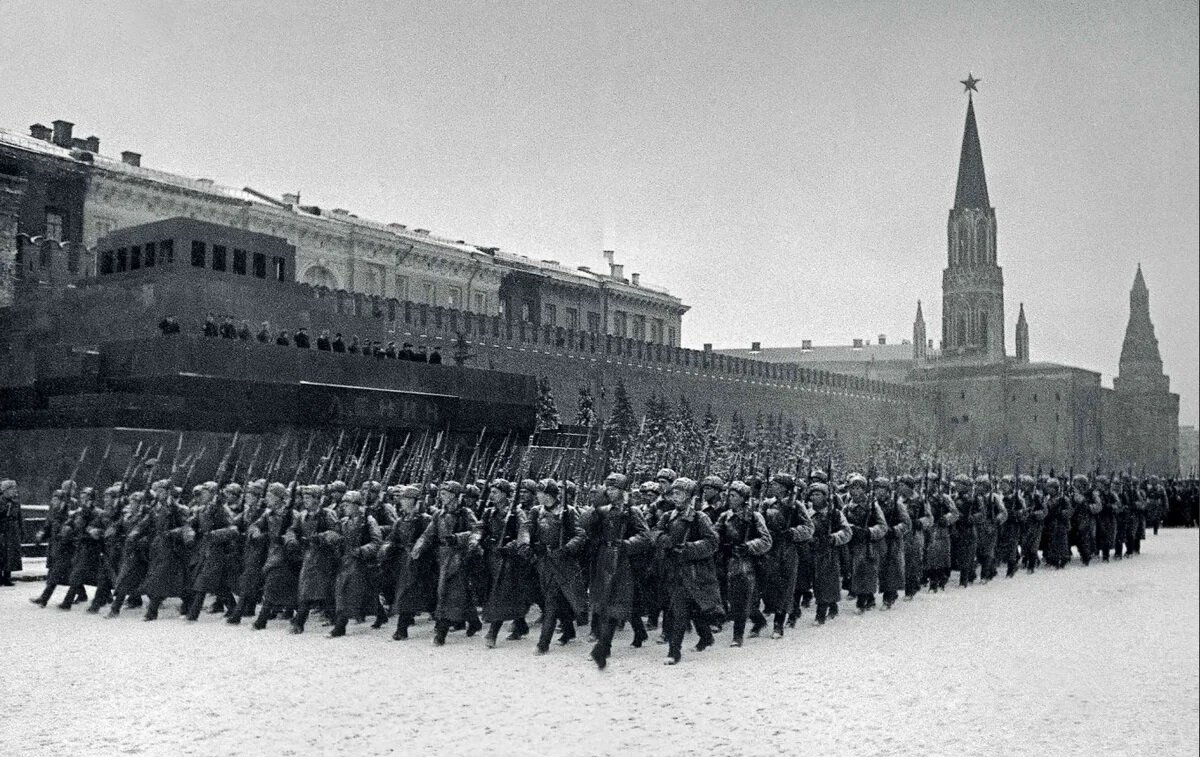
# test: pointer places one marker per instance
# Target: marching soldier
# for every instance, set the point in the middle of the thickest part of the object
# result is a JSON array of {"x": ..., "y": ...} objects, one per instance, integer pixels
[
  {"x": 1106, "y": 519},
  {"x": 1086, "y": 507},
  {"x": 87, "y": 533},
  {"x": 170, "y": 534},
  {"x": 112, "y": 538},
  {"x": 1058, "y": 525},
  {"x": 454, "y": 533},
  {"x": 992, "y": 515},
  {"x": 617, "y": 531},
  {"x": 790, "y": 526},
  {"x": 1123, "y": 507},
  {"x": 281, "y": 569},
  {"x": 253, "y": 554},
  {"x": 914, "y": 541},
  {"x": 215, "y": 531},
  {"x": 831, "y": 531},
  {"x": 414, "y": 588},
  {"x": 554, "y": 538},
  {"x": 12, "y": 531},
  {"x": 56, "y": 531},
  {"x": 507, "y": 595},
  {"x": 1035, "y": 518},
  {"x": 867, "y": 526},
  {"x": 1156, "y": 503},
  {"x": 687, "y": 543},
  {"x": 939, "y": 545},
  {"x": 357, "y": 544},
  {"x": 892, "y": 570},
  {"x": 132, "y": 530},
  {"x": 743, "y": 540},
  {"x": 965, "y": 543},
  {"x": 315, "y": 531},
  {"x": 1008, "y": 538}
]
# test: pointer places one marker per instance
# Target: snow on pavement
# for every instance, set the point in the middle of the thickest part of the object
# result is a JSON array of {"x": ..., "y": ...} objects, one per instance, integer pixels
[{"x": 1093, "y": 660}]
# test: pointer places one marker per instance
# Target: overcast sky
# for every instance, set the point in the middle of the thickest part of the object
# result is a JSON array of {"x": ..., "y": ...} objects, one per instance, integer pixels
[{"x": 786, "y": 168}]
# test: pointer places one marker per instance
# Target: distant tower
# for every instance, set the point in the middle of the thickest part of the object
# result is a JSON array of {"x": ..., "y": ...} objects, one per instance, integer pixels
[
  {"x": 919, "y": 339},
  {"x": 972, "y": 283},
  {"x": 1145, "y": 413},
  {"x": 1022, "y": 336}
]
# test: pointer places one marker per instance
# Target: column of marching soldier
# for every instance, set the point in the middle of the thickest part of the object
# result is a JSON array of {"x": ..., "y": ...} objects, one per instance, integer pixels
[{"x": 672, "y": 551}]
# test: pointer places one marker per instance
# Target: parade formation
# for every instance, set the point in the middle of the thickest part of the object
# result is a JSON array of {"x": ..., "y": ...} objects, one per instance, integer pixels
[{"x": 366, "y": 531}]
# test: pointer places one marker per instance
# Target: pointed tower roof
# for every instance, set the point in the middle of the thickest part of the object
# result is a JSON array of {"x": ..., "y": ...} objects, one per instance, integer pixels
[
  {"x": 1021, "y": 315},
  {"x": 972, "y": 185},
  {"x": 1139, "y": 352},
  {"x": 920, "y": 316}
]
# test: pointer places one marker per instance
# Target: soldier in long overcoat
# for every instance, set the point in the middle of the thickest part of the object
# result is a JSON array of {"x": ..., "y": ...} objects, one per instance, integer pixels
[
  {"x": 744, "y": 538},
  {"x": 315, "y": 530},
  {"x": 553, "y": 537},
  {"x": 616, "y": 532},
  {"x": 379, "y": 505},
  {"x": 111, "y": 540},
  {"x": 1086, "y": 503},
  {"x": 56, "y": 532},
  {"x": 1035, "y": 519},
  {"x": 992, "y": 515},
  {"x": 1106, "y": 519},
  {"x": 453, "y": 535},
  {"x": 1156, "y": 504},
  {"x": 868, "y": 527},
  {"x": 215, "y": 529},
  {"x": 171, "y": 537},
  {"x": 358, "y": 547},
  {"x": 87, "y": 531},
  {"x": 893, "y": 551},
  {"x": 831, "y": 531},
  {"x": 12, "y": 531},
  {"x": 1008, "y": 540},
  {"x": 1058, "y": 525},
  {"x": 939, "y": 543},
  {"x": 281, "y": 568},
  {"x": 132, "y": 530},
  {"x": 964, "y": 537},
  {"x": 252, "y": 548},
  {"x": 921, "y": 518},
  {"x": 415, "y": 582},
  {"x": 508, "y": 596},
  {"x": 687, "y": 542},
  {"x": 790, "y": 525},
  {"x": 1123, "y": 509},
  {"x": 646, "y": 601}
]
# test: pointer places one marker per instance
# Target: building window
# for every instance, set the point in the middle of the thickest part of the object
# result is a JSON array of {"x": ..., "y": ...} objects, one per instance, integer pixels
[
  {"x": 239, "y": 262},
  {"x": 639, "y": 328},
  {"x": 401, "y": 292},
  {"x": 54, "y": 225},
  {"x": 573, "y": 319},
  {"x": 198, "y": 254},
  {"x": 279, "y": 264},
  {"x": 619, "y": 323},
  {"x": 122, "y": 259},
  {"x": 73, "y": 259},
  {"x": 106, "y": 262},
  {"x": 167, "y": 248},
  {"x": 550, "y": 315},
  {"x": 526, "y": 312},
  {"x": 218, "y": 257},
  {"x": 454, "y": 298},
  {"x": 594, "y": 322},
  {"x": 671, "y": 336},
  {"x": 656, "y": 331},
  {"x": 135, "y": 257},
  {"x": 260, "y": 265},
  {"x": 1035, "y": 398},
  {"x": 1058, "y": 396},
  {"x": 429, "y": 293},
  {"x": 149, "y": 255},
  {"x": 503, "y": 306},
  {"x": 481, "y": 302}
]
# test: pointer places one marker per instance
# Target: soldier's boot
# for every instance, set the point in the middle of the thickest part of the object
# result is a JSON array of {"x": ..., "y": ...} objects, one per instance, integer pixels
[
  {"x": 639, "y": 632},
  {"x": 1104, "y": 555},
  {"x": 81, "y": 594},
  {"x": 339, "y": 627},
  {"x": 806, "y": 599},
  {"x": 69, "y": 600},
  {"x": 833, "y": 610},
  {"x": 264, "y": 615},
  {"x": 218, "y": 605},
  {"x": 739, "y": 632},
  {"x": 193, "y": 613},
  {"x": 674, "y": 653},
  {"x": 706, "y": 635},
  {"x": 114, "y": 609},
  {"x": 822, "y": 614},
  {"x": 777, "y": 631},
  {"x": 152, "y": 608},
  {"x": 99, "y": 600},
  {"x": 134, "y": 602},
  {"x": 298, "y": 620},
  {"x": 474, "y": 625},
  {"x": 381, "y": 615},
  {"x": 42, "y": 599},
  {"x": 520, "y": 629},
  {"x": 243, "y": 610},
  {"x": 758, "y": 622},
  {"x": 402, "y": 624},
  {"x": 603, "y": 646},
  {"x": 568, "y": 631},
  {"x": 440, "y": 629},
  {"x": 489, "y": 639},
  {"x": 287, "y": 613},
  {"x": 6, "y": 577},
  {"x": 652, "y": 621}
]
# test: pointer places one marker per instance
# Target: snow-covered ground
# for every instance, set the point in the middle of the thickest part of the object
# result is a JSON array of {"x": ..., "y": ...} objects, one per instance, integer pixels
[{"x": 1098, "y": 660}]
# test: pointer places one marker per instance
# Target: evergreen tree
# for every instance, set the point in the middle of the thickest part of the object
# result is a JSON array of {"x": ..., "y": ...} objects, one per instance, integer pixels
[
  {"x": 585, "y": 409},
  {"x": 547, "y": 410},
  {"x": 622, "y": 425},
  {"x": 462, "y": 352}
]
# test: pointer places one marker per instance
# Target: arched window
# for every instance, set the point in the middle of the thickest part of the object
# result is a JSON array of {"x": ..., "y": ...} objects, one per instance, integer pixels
[{"x": 320, "y": 276}]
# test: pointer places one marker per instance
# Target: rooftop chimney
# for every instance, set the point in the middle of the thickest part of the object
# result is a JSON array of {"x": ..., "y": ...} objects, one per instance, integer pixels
[
  {"x": 806, "y": 344},
  {"x": 393, "y": 226},
  {"x": 858, "y": 343},
  {"x": 637, "y": 279},
  {"x": 40, "y": 131},
  {"x": 131, "y": 158},
  {"x": 340, "y": 212},
  {"x": 882, "y": 340},
  {"x": 92, "y": 144},
  {"x": 609, "y": 255},
  {"x": 291, "y": 198},
  {"x": 755, "y": 346},
  {"x": 62, "y": 133},
  {"x": 617, "y": 271},
  {"x": 208, "y": 182},
  {"x": 708, "y": 346}
]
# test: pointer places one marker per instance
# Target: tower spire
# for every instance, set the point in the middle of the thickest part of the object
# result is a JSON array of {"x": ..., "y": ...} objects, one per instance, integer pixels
[
  {"x": 971, "y": 191},
  {"x": 1140, "y": 357}
]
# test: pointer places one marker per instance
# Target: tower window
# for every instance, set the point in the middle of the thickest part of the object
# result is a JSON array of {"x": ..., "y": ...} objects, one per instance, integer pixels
[
  {"x": 218, "y": 257},
  {"x": 198, "y": 254},
  {"x": 150, "y": 257},
  {"x": 135, "y": 257}
]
